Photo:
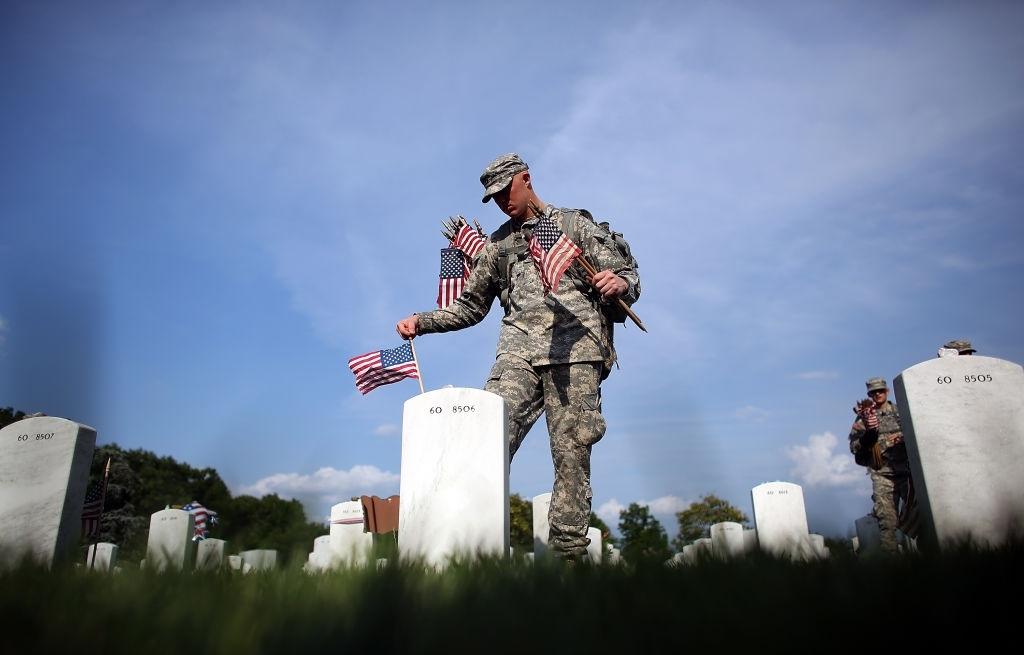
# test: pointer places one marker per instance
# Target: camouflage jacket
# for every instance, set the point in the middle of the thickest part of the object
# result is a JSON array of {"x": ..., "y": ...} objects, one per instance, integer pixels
[
  {"x": 561, "y": 327},
  {"x": 888, "y": 435}
]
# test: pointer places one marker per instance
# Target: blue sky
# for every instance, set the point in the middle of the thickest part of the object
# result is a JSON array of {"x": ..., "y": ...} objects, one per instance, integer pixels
[{"x": 206, "y": 210}]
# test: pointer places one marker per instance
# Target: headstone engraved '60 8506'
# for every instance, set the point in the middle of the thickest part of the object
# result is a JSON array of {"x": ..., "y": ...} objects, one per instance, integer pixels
[
  {"x": 349, "y": 544},
  {"x": 963, "y": 423},
  {"x": 780, "y": 519},
  {"x": 541, "y": 507},
  {"x": 170, "y": 540},
  {"x": 454, "y": 482},
  {"x": 44, "y": 469}
]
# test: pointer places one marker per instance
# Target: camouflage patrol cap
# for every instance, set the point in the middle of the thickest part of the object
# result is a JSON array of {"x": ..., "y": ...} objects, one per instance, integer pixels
[
  {"x": 876, "y": 384},
  {"x": 500, "y": 172},
  {"x": 962, "y": 346}
]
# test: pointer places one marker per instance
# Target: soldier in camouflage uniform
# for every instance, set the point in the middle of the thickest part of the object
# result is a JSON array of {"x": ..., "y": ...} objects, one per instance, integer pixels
[
  {"x": 554, "y": 349},
  {"x": 876, "y": 441}
]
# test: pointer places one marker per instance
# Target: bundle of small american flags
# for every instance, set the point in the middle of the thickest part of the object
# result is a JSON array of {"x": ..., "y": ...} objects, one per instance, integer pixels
[{"x": 466, "y": 244}]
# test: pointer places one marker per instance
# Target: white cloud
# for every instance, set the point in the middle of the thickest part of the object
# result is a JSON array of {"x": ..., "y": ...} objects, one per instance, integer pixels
[
  {"x": 818, "y": 465},
  {"x": 386, "y": 430},
  {"x": 817, "y": 375},
  {"x": 326, "y": 484}
]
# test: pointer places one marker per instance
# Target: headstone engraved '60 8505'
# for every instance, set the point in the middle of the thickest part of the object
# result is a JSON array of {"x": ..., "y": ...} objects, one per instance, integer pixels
[
  {"x": 780, "y": 519},
  {"x": 44, "y": 469},
  {"x": 349, "y": 544},
  {"x": 454, "y": 482},
  {"x": 541, "y": 528},
  {"x": 170, "y": 543},
  {"x": 963, "y": 423}
]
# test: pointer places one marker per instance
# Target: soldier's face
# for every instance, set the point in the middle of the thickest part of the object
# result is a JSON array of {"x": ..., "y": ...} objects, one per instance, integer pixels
[
  {"x": 879, "y": 396},
  {"x": 514, "y": 200}
]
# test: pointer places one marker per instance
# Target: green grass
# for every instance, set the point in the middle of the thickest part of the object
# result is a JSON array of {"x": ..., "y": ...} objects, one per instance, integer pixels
[{"x": 754, "y": 605}]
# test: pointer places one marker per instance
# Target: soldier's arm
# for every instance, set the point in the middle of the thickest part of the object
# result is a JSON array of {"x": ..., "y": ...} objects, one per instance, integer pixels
[
  {"x": 472, "y": 306},
  {"x": 857, "y": 431},
  {"x": 597, "y": 246}
]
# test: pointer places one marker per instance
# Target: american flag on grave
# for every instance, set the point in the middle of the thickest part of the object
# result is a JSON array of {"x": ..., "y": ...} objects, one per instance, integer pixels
[
  {"x": 93, "y": 508},
  {"x": 202, "y": 516},
  {"x": 552, "y": 251},
  {"x": 382, "y": 367},
  {"x": 470, "y": 242},
  {"x": 452, "y": 278}
]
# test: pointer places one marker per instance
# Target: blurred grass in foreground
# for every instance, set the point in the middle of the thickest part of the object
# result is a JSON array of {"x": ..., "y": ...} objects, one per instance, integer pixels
[{"x": 755, "y": 605}]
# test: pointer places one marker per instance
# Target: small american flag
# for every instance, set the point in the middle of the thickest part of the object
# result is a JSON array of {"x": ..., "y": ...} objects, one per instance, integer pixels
[
  {"x": 452, "y": 278},
  {"x": 469, "y": 241},
  {"x": 382, "y": 367},
  {"x": 93, "y": 508},
  {"x": 552, "y": 251},
  {"x": 202, "y": 516}
]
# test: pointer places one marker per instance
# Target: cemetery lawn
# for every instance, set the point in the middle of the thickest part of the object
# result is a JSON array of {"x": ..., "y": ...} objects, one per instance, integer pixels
[{"x": 755, "y": 605}]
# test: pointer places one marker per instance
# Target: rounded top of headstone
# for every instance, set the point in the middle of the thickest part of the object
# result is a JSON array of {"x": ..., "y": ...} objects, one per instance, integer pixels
[
  {"x": 876, "y": 384},
  {"x": 962, "y": 346}
]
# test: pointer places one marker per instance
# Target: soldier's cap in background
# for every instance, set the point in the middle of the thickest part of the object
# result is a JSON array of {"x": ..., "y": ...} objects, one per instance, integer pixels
[
  {"x": 500, "y": 172},
  {"x": 962, "y": 346},
  {"x": 876, "y": 384}
]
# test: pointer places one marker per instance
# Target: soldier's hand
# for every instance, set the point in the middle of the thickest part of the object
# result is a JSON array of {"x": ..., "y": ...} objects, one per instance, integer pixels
[
  {"x": 407, "y": 327},
  {"x": 609, "y": 284}
]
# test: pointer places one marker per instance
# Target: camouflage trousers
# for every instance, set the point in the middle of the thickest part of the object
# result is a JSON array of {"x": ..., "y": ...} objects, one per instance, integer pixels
[
  {"x": 570, "y": 397},
  {"x": 888, "y": 490}
]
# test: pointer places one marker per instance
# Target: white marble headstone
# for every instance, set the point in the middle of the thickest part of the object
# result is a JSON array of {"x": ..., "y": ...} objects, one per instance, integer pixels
[
  {"x": 594, "y": 550},
  {"x": 454, "y": 482},
  {"x": 170, "y": 540},
  {"x": 262, "y": 559},
  {"x": 750, "y": 540},
  {"x": 210, "y": 554},
  {"x": 727, "y": 540},
  {"x": 106, "y": 557},
  {"x": 44, "y": 470},
  {"x": 348, "y": 545},
  {"x": 541, "y": 528},
  {"x": 963, "y": 422},
  {"x": 322, "y": 557},
  {"x": 235, "y": 562},
  {"x": 780, "y": 518},
  {"x": 869, "y": 539},
  {"x": 818, "y": 548}
]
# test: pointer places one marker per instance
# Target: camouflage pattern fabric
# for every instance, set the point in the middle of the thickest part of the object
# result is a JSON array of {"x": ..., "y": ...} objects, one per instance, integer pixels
[
  {"x": 562, "y": 327},
  {"x": 570, "y": 397},
  {"x": 891, "y": 484},
  {"x": 552, "y": 349}
]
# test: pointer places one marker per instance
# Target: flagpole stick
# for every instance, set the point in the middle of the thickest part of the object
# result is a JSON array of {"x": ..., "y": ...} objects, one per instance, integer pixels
[
  {"x": 99, "y": 519},
  {"x": 419, "y": 376},
  {"x": 589, "y": 268}
]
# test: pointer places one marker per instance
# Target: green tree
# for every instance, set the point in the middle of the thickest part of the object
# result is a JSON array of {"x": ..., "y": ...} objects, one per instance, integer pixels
[
  {"x": 9, "y": 415},
  {"x": 606, "y": 532},
  {"x": 696, "y": 520},
  {"x": 521, "y": 523},
  {"x": 643, "y": 538}
]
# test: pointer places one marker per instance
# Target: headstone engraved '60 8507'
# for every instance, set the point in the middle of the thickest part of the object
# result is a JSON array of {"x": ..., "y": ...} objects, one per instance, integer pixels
[
  {"x": 44, "y": 469},
  {"x": 170, "y": 543},
  {"x": 541, "y": 507},
  {"x": 963, "y": 423},
  {"x": 780, "y": 519},
  {"x": 349, "y": 544},
  {"x": 454, "y": 482}
]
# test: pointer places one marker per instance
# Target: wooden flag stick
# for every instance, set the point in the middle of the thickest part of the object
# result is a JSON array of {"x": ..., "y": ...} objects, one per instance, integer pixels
[
  {"x": 419, "y": 375},
  {"x": 591, "y": 271}
]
